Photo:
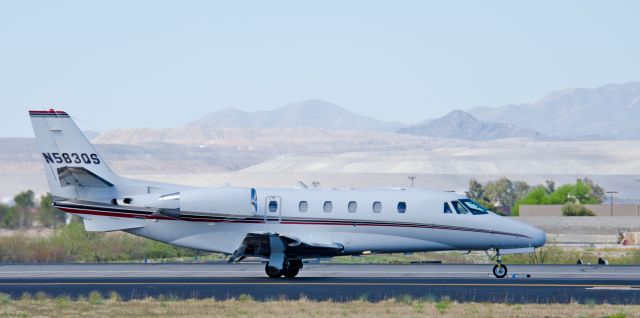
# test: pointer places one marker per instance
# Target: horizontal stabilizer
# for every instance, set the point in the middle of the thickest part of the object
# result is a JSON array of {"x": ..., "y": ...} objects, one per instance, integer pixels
[{"x": 109, "y": 224}]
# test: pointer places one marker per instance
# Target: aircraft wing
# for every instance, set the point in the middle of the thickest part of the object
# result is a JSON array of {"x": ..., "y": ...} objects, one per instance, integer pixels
[{"x": 261, "y": 244}]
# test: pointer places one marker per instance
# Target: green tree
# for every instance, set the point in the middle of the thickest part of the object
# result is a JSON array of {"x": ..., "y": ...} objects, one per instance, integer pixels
[
  {"x": 476, "y": 191},
  {"x": 4, "y": 209},
  {"x": 48, "y": 215},
  {"x": 501, "y": 192},
  {"x": 597, "y": 192},
  {"x": 505, "y": 192},
  {"x": 10, "y": 218},
  {"x": 25, "y": 199},
  {"x": 521, "y": 189},
  {"x": 20, "y": 216},
  {"x": 551, "y": 186},
  {"x": 584, "y": 191}
]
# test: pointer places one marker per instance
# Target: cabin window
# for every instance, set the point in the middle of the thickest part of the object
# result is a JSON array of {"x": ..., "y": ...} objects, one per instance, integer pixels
[
  {"x": 303, "y": 206},
  {"x": 460, "y": 209},
  {"x": 327, "y": 206},
  {"x": 377, "y": 207},
  {"x": 402, "y": 207},
  {"x": 273, "y": 206},
  {"x": 447, "y": 209},
  {"x": 353, "y": 206},
  {"x": 474, "y": 207}
]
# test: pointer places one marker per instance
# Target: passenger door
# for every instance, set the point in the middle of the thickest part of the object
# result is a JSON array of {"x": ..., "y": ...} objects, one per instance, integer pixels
[{"x": 272, "y": 208}]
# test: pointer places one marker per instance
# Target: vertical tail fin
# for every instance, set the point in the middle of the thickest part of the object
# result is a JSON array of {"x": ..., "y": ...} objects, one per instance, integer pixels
[{"x": 74, "y": 169}]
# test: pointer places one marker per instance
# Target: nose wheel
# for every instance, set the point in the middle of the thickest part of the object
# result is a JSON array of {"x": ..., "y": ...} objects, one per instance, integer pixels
[{"x": 499, "y": 270}]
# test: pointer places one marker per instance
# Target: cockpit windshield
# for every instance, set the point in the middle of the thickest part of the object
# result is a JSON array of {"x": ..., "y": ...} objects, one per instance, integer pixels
[
  {"x": 459, "y": 207},
  {"x": 474, "y": 207}
]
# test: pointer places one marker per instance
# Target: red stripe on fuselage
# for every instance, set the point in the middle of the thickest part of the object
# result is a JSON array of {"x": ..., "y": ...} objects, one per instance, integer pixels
[
  {"x": 259, "y": 221},
  {"x": 114, "y": 214},
  {"x": 47, "y": 112}
]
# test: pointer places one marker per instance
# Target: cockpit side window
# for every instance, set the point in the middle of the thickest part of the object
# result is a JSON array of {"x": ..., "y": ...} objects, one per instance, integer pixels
[
  {"x": 474, "y": 207},
  {"x": 460, "y": 209},
  {"x": 447, "y": 209}
]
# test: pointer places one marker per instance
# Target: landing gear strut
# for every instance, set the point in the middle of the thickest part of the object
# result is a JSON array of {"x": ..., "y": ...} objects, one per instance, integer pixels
[
  {"x": 290, "y": 269},
  {"x": 499, "y": 270}
]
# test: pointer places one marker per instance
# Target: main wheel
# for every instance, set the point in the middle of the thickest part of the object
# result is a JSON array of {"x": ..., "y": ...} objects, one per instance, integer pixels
[
  {"x": 272, "y": 271},
  {"x": 291, "y": 272},
  {"x": 292, "y": 268},
  {"x": 296, "y": 263},
  {"x": 500, "y": 271}
]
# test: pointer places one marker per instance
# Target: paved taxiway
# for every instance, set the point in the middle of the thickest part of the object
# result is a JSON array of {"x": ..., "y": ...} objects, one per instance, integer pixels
[{"x": 548, "y": 283}]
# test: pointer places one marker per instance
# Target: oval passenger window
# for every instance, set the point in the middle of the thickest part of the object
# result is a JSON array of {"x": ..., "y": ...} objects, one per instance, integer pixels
[
  {"x": 327, "y": 206},
  {"x": 353, "y": 206},
  {"x": 303, "y": 206},
  {"x": 402, "y": 207}
]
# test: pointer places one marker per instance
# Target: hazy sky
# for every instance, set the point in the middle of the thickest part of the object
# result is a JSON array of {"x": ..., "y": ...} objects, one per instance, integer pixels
[{"x": 163, "y": 63}]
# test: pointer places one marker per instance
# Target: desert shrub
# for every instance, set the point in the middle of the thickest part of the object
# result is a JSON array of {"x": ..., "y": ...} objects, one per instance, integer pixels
[
  {"x": 573, "y": 209},
  {"x": 72, "y": 243}
]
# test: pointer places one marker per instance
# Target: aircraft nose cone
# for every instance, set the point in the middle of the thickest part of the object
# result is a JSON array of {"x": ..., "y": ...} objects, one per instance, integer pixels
[{"x": 538, "y": 237}]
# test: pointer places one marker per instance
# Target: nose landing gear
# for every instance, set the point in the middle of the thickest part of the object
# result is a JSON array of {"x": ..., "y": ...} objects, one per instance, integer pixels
[{"x": 499, "y": 270}]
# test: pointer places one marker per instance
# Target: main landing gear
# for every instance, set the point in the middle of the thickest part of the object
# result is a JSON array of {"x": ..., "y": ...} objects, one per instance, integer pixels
[
  {"x": 499, "y": 270},
  {"x": 290, "y": 268}
]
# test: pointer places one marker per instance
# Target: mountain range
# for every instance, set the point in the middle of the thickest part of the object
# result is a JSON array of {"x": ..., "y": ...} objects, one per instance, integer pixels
[
  {"x": 461, "y": 125},
  {"x": 609, "y": 111},
  {"x": 313, "y": 113},
  {"x": 606, "y": 112}
]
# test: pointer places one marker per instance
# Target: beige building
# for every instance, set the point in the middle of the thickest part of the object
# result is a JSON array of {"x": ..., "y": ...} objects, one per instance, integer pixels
[{"x": 598, "y": 209}]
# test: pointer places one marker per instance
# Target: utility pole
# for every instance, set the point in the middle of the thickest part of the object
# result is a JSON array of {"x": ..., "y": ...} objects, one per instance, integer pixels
[
  {"x": 412, "y": 178},
  {"x": 611, "y": 193}
]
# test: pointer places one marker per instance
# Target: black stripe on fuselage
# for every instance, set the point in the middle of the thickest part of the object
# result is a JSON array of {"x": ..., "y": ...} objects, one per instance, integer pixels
[{"x": 186, "y": 216}]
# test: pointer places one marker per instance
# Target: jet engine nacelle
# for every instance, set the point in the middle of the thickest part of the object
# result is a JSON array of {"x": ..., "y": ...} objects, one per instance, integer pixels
[
  {"x": 227, "y": 201},
  {"x": 237, "y": 201}
]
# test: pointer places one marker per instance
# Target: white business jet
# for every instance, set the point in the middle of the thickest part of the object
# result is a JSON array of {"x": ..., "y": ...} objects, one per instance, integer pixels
[{"x": 282, "y": 225}]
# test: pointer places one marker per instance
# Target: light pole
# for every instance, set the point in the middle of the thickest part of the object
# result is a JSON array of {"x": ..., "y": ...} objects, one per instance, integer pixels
[
  {"x": 412, "y": 178},
  {"x": 611, "y": 193}
]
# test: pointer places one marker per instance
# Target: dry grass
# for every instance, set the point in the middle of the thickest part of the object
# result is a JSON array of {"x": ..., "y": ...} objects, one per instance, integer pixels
[{"x": 247, "y": 307}]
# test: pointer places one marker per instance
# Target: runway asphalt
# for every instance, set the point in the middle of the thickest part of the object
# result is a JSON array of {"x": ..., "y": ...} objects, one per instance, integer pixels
[{"x": 546, "y": 284}]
